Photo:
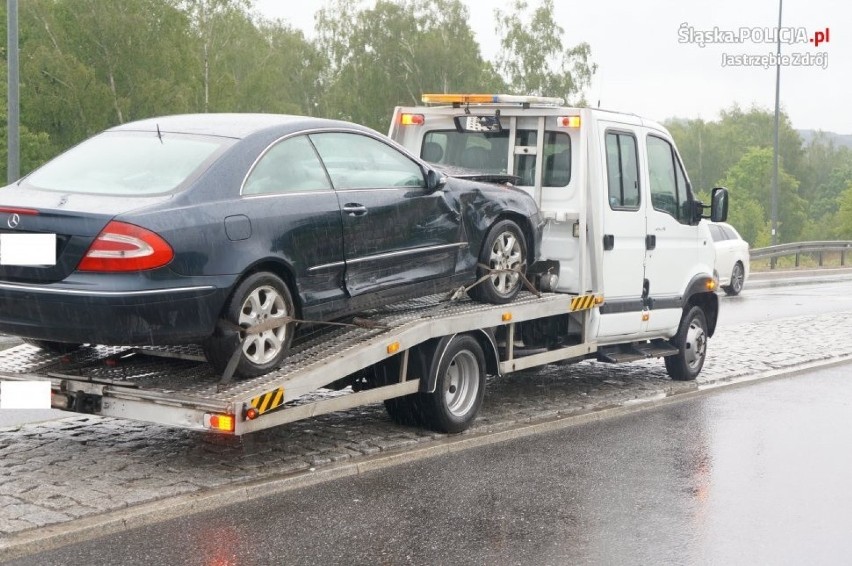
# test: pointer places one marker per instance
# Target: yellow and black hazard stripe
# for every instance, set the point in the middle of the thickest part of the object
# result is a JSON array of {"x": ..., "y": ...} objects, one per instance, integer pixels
[
  {"x": 583, "y": 302},
  {"x": 268, "y": 401}
]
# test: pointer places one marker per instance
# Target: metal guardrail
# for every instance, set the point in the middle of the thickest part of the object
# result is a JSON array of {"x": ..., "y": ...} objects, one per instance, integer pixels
[{"x": 799, "y": 248}]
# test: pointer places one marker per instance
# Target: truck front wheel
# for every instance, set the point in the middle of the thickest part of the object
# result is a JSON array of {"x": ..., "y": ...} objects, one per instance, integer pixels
[
  {"x": 459, "y": 388},
  {"x": 691, "y": 342}
]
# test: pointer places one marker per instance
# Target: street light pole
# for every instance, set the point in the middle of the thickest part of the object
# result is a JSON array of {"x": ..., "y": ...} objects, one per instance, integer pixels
[
  {"x": 13, "y": 168},
  {"x": 777, "y": 113}
]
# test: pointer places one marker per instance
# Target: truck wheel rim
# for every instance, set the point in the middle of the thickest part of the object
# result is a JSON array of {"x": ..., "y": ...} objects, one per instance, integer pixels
[
  {"x": 261, "y": 305},
  {"x": 506, "y": 254},
  {"x": 696, "y": 344},
  {"x": 461, "y": 386}
]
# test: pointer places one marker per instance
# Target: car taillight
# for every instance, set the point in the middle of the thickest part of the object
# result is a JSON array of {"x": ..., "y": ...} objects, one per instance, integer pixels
[{"x": 126, "y": 247}]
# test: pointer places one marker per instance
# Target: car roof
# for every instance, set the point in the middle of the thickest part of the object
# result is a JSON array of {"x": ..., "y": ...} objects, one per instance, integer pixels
[{"x": 233, "y": 125}]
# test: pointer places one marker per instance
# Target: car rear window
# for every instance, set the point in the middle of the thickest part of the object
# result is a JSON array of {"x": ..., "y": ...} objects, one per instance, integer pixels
[
  {"x": 128, "y": 163},
  {"x": 489, "y": 153}
]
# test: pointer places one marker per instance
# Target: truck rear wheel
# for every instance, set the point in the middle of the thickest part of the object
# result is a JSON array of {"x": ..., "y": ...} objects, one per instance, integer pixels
[
  {"x": 691, "y": 342},
  {"x": 459, "y": 387}
]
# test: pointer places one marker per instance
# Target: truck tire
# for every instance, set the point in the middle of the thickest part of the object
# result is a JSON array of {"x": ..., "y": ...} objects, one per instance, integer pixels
[
  {"x": 259, "y": 297},
  {"x": 691, "y": 342},
  {"x": 505, "y": 248},
  {"x": 402, "y": 410},
  {"x": 459, "y": 387}
]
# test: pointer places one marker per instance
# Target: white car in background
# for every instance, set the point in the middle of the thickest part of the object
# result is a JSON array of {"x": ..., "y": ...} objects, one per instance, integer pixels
[{"x": 732, "y": 257}]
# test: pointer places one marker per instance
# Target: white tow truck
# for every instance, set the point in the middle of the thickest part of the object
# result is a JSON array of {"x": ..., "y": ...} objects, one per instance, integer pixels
[{"x": 626, "y": 274}]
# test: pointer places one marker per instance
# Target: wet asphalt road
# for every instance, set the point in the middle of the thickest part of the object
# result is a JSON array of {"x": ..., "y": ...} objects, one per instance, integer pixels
[{"x": 752, "y": 475}]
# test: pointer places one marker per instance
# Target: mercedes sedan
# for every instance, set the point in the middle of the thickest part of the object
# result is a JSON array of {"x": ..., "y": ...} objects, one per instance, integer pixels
[{"x": 196, "y": 228}]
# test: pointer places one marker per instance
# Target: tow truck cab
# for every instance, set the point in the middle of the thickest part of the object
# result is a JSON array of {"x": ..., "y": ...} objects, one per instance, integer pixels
[{"x": 623, "y": 221}]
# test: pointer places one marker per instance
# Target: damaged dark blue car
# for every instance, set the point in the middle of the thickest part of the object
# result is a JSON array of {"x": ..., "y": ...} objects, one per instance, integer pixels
[{"x": 157, "y": 231}]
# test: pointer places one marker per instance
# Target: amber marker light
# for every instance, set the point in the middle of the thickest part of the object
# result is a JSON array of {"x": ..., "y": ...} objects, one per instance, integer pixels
[
  {"x": 393, "y": 347},
  {"x": 599, "y": 300},
  {"x": 711, "y": 284},
  {"x": 221, "y": 423},
  {"x": 568, "y": 121},
  {"x": 412, "y": 119},
  {"x": 507, "y": 316}
]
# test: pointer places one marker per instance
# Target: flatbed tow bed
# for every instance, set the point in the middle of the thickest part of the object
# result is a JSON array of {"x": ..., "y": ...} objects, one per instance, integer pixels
[{"x": 175, "y": 386}]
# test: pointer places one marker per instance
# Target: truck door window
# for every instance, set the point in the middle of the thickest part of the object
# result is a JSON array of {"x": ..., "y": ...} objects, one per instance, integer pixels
[
  {"x": 669, "y": 192},
  {"x": 622, "y": 167}
]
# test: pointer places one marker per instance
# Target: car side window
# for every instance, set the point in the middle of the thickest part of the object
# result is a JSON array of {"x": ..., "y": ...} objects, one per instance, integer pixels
[
  {"x": 716, "y": 233},
  {"x": 289, "y": 166},
  {"x": 622, "y": 167},
  {"x": 729, "y": 234},
  {"x": 356, "y": 161},
  {"x": 669, "y": 192}
]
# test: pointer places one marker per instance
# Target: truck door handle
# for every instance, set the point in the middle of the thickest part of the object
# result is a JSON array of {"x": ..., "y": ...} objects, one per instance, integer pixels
[
  {"x": 354, "y": 209},
  {"x": 650, "y": 241},
  {"x": 608, "y": 242}
]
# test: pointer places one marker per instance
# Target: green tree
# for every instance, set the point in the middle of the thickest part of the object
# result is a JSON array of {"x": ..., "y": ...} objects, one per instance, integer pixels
[
  {"x": 89, "y": 64},
  {"x": 750, "y": 181},
  {"x": 392, "y": 53},
  {"x": 533, "y": 57},
  {"x": 709, "y": 149},
  {"x": 843, "y": 223},
  {"x": 826, "y": 172}
]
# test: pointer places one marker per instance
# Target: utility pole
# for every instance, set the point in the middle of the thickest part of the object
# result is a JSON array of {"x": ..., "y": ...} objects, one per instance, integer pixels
[
  {"x": 13, "y": 168},
  {"x": 777, "y": 112}
]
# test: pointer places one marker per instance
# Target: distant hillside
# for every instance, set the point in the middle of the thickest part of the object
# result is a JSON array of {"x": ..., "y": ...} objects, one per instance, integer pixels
[{"x": 839, "y": 139}]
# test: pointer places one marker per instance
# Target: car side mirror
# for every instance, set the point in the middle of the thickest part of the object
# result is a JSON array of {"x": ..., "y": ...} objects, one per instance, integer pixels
[
  {"x": 434, "y": 180},
  {"x": 719, "y": 205}
]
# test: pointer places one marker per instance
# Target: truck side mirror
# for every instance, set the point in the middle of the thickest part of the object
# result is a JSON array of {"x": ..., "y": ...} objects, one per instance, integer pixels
[{"x": 719, "y": 205}]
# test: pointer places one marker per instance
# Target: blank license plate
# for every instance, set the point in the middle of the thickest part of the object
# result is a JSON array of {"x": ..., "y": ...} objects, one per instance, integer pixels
[{"x": 27, "y": 249}]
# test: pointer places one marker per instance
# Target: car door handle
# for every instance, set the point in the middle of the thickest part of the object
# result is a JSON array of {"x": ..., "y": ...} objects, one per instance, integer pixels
[
  {"x": 354, "y": 209},
  {"x": 650, "y": 242}
]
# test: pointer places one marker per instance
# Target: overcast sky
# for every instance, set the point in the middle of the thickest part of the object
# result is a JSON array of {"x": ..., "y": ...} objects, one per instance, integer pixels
[{"x": 645, "y": 67}]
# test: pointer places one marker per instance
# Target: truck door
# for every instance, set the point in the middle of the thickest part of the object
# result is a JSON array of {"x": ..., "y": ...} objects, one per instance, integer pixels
[
  {"x": 673, "y": 248},
  {"x": 623, "y": 233}
]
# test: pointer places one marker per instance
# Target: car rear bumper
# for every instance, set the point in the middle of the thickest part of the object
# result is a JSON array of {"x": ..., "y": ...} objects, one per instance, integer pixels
[{"x": 155, "y": 316}]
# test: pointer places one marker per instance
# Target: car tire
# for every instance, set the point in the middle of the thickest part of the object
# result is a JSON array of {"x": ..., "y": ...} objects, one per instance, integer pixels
[
  {"x": 258, "y": 298},
  {"x": 691, "y": 342},
  {"x": 459, "y": 387},
  {"x": 504, "y": 247},
  {"x": 737, "y": 280},
  {"x": 51, "y": 346}
]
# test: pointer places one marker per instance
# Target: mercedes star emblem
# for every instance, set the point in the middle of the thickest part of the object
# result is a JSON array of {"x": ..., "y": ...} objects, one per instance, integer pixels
[{"x": 13, "y": 221}]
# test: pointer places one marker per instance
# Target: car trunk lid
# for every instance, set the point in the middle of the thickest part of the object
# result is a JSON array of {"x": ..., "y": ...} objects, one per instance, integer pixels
[{"x": 75, "y": 219}]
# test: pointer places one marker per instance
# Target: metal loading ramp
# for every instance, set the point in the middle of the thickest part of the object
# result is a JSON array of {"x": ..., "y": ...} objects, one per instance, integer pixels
[{"x": 175, "y": 385}]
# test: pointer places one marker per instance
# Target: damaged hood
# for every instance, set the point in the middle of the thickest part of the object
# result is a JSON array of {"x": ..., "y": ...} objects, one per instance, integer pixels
[{"x": 474, "y": 175}]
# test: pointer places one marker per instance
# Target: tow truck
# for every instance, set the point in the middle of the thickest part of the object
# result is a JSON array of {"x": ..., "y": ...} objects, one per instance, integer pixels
[{"x": 627, "y": 274}]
